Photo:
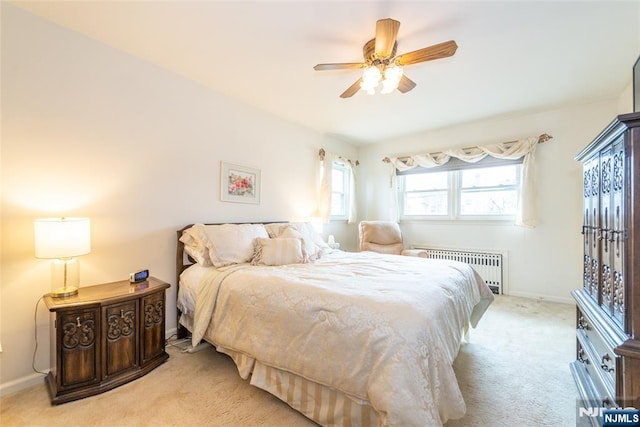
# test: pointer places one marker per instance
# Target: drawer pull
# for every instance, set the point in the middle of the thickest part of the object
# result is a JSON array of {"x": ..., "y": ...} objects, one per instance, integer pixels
[
  {"x": 78, "y": 324},
  {"x": 582, "y": 323},
  {"x": 582, "y": 357},
  {"x": 603, "y": 365}
]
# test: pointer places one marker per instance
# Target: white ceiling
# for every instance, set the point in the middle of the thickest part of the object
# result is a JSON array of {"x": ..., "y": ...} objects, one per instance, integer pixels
[{"x": 513, "y": 56}]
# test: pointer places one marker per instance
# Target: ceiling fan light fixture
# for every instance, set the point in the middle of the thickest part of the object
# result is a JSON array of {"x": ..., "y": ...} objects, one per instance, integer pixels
[
  {"x": 371, "y": 76},
  {"x": 392, "y": 75},
  {"x": 393, "y": 72},
  {"x": 388, "y": 87},
  {"x": 380, "y": 60}
]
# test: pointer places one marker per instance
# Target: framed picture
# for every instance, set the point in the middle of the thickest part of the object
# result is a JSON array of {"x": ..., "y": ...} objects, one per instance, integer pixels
[
  {"x": 239, "y": 184},
  {"x": 636, "y": 86}
]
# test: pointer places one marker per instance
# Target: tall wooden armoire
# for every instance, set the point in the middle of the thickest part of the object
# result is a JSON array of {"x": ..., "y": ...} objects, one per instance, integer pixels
[{"x": 607, "y": 365}]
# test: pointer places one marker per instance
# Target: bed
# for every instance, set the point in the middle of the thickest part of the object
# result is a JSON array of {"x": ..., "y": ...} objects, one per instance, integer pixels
[{"x": 346, "y": 339}]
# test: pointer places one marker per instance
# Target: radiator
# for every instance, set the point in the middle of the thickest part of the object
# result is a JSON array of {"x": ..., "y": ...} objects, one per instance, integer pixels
[{"x": 491, "y": 266}]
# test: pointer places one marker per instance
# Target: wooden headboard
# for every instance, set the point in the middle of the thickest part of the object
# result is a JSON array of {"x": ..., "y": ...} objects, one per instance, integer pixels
[{"x": 183, "y": 261}]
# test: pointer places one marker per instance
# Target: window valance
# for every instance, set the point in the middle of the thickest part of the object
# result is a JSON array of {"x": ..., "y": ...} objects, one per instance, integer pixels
[
  {"x": 322, "y": 154},
  {"x": 512, "y": 150}
]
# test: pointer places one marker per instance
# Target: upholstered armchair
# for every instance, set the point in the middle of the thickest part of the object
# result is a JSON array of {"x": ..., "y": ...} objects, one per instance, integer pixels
[{"x": 384, "y": 237}]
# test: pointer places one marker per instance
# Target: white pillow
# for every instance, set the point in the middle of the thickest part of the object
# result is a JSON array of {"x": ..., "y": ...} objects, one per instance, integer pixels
[
  {"x": 232, "y": 243},
  {"x": 313, "y": 243},
  {"x": 195, "y": 244},
  {"x": 309, "y": 230},
  {"x": 275, "y": 229},
  {"x": 306, "y": 228},
  {"x": 278, "y": 251},
  {"x": 310, "y": 251}
]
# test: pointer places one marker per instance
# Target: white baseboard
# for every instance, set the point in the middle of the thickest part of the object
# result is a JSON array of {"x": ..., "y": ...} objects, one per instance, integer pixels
[
  {"x": 540, "y": 297},
  {"x": 170, "y": 332},
  {"x": 18, "y": 384},
  {"x": 33, "y": 379}
]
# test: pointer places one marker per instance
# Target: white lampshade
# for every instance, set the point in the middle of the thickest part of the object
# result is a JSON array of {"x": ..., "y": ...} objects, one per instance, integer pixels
[{"x": 62, "y": 237}]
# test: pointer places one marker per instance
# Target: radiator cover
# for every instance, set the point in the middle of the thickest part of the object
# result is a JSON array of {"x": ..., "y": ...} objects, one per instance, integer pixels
[{"x": 490, "y": 265}]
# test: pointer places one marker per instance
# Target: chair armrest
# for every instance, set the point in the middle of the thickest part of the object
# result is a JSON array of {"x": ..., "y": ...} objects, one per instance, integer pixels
[{"x": 415, "y": 252}]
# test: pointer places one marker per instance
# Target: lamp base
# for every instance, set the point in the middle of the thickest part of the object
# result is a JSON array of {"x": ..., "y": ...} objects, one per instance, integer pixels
[{"x": 64, "y": 292}]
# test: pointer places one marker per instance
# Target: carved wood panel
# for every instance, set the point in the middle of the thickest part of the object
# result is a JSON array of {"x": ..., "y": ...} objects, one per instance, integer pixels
[
  {"x": 590, "y": 228},
  {"x": 605, "y": 231},
  {"x": 152, "y": 339},
  {"x": 121, "y": 348},
  {"x": 77, "y": 341},
  {"x": 618, "y": 237}
]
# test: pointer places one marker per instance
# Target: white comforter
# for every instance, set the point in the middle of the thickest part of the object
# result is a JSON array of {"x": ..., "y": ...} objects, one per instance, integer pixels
[{"x": 381, "y": 328}]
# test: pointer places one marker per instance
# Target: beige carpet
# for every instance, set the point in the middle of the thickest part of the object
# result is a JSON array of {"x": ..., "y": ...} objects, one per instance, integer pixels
[{"x": 513, "y": 372}]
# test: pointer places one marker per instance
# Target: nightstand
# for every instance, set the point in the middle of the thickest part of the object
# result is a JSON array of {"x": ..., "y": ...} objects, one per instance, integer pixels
[{"x": 105, "y": 336}]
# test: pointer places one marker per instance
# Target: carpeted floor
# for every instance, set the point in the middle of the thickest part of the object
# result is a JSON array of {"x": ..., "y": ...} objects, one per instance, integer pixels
[{"x": 514, "y": 371}]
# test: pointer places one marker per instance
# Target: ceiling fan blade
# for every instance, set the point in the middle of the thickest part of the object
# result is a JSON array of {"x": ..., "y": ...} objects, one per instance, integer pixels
[
  {"x": 437, "y": 51},
  {"x": 339, "y": 66},
  {"x": 352, "y": 89},
  {"x": 406, "y": 84},
  {"x": 386, "y": 33}
]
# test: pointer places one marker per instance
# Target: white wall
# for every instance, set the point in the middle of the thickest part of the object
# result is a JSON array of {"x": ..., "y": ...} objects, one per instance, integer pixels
[
  {"x": 625, "y": 102},
  {"x": 90, "y": 131},
  {"x": 544, "y": 262}
]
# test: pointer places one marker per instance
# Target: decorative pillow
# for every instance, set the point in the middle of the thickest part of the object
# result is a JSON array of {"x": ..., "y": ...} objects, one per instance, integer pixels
[
  {"x": 275, "y": 229},
  {"x": 313, "y": 245},
  {"x": 195, "y": 244},
  {"x": 278, "y": 251},
  {"x": 232, "y": 243},
  {"x": 310, "y": 251}
]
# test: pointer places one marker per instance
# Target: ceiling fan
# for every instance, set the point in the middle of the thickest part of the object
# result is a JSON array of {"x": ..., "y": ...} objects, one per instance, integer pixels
[{"x": 382, "y": 66}]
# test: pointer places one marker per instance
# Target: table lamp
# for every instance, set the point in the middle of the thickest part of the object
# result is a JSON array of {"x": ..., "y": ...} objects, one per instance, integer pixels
[{"x": 63, "y": 239}]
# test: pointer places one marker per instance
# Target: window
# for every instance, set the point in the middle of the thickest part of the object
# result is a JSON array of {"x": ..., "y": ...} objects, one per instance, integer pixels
[
  {"x": 468, "y": 193},
  {"x": 426, "y": 193},
  {"x": 340, "y": 185}
]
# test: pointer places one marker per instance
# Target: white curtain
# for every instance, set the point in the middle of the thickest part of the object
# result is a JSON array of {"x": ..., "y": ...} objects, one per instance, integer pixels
[
  {"x": 394, "y": 211},
  {"x": 325, "y": 166},
  {"x": 326, "y": 162},
  {"x": 527, "y": 206}
]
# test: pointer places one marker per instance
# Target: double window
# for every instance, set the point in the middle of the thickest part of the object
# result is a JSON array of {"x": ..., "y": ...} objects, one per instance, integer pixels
[{"x": 465, "y": 192}]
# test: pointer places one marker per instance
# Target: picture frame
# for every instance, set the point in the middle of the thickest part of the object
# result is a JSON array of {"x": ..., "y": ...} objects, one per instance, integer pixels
[
  {"x": 239, "y": 184},
  {"x": 636, "y": 86}
]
